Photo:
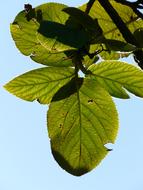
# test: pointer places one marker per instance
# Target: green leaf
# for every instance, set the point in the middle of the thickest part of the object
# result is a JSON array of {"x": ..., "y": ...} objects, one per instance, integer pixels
[
  {"x": 113, "y": 49},
  {"x": 110, "y": 31},
  {"x": 111, "y": 55},
  {"x": 24, "y": 33},
  {"x": 116, "y": 45},
  {"x": 114, "y": 76},
  {"x": 82, "y": 119},
  {"x": 40, "y": 84},
  {"x": 87, "y": 61}
]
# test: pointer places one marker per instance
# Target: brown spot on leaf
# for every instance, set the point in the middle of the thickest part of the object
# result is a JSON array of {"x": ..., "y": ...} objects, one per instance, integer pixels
[
  {"x": 90, "y": 101},
  {"x": 60, "y": 126},
  {"x": 131, "y": 17}
]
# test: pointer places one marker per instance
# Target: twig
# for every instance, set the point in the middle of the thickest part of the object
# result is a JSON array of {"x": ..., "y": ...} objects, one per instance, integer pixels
[{"x": 89, "y": 6}]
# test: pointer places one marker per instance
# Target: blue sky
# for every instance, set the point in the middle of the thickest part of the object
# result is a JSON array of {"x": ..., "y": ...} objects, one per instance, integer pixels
[{"x": 26, "y": 162}]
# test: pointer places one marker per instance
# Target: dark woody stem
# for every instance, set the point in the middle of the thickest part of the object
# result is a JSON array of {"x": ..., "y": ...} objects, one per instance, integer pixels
[
  {"x": 79, "y": 66},
  {"x": 89, "y": 6}
]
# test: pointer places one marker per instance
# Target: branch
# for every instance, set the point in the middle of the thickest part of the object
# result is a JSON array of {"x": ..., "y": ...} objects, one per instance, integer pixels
[{"x": 89, "y": 6}]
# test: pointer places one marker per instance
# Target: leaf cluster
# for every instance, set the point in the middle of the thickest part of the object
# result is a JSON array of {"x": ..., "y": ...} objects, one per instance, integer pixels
[{"x": 82, "y": 117}]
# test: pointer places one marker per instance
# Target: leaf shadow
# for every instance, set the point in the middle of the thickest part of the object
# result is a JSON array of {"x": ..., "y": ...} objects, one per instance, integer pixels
[
  {"x": 62, "y": 33},
  {"x": 68, "y": 89}
]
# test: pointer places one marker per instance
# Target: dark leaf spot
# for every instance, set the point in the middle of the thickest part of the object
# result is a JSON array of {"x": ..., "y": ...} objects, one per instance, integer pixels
[
  {"x": 109, "y": 150},
  {"x": 54, "y": 49},
  {"x": 90, "y": 101},
  {"x": 131, "y": 17}
]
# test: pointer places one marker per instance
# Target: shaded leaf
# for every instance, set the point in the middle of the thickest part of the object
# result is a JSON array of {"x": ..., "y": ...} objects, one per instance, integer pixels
[
  {"x": 139, "y": 36},
  {"x": 116, "y": 45},
  {"x": 56, "y": 37},
  {"x": 80, "y": 124},
  {"x": 84, "y": 20},
  {"x": 40, "y": 84},
  {"x": 114, "y": 76}
]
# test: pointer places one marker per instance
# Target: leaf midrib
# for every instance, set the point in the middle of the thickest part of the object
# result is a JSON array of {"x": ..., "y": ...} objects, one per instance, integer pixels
[
  {"x": 80, "y": 126},
  {"x": 35, "y": 84}
]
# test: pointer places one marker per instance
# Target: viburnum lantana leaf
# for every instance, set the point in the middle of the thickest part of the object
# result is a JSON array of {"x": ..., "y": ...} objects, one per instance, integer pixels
[
  {"x": 113, "y": 49},
  {"x": 24, "y": 32},
  {"x": 82, "y": 119},
  {"x": 87, "y": 61},
  {"x": 119, "y": 46},
  {"x": 110, "y": 31},
  {"x": 114, "y": 76},
  {"x": 40, "y": 84}
]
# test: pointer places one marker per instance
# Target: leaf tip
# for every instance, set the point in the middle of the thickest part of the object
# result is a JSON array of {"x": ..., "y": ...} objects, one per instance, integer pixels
[{"x": 66, "y": 166}]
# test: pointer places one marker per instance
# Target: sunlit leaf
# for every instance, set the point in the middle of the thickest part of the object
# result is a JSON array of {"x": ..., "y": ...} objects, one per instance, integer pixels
[
  {"x": 87, "y": 61},
  {"x": 40, "y": 84},
  {"x": 82, "y": 118},
  {"x": 110, "y": 31},
  {"x": 24, "y": 33},
  {"x": 109, "y": 28},
  {"x": 116, "y": 76}
]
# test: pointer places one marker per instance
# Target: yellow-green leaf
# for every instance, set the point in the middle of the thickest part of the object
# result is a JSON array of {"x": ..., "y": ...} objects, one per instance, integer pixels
[
  {"x": 110, "y": 31},
  {"x": 109, "y": 28},
  {"x": 24, "y": 33},
  {"x": 87, "y": 61},
  {"x": 82, "y": 119},
  {"x": 116, "y": 76},
  {"x": 40, "y": 84}
]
